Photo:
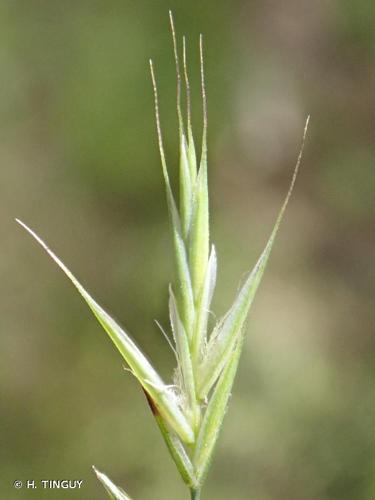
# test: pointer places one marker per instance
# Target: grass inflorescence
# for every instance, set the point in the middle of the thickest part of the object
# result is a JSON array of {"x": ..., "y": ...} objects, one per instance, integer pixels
[{"x": 189, "y": 410}]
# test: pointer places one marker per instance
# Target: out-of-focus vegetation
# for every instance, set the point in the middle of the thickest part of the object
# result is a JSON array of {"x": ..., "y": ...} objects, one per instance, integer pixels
[{"x": 79, "y": 162}]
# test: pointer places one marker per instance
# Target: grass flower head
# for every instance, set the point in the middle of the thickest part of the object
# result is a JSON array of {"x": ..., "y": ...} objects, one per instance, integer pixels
[{"x": 189, "y": 410}]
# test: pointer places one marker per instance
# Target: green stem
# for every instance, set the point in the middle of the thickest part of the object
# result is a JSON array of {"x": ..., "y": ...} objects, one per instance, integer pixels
[{"x": 195, "y": 494}]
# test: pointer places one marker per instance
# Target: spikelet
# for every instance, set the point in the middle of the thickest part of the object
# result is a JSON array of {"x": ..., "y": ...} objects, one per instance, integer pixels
[{"x": 190, "y": 412}]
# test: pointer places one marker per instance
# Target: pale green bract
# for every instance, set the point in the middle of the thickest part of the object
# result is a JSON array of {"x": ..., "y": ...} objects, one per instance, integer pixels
[
  {"x": 189, "y": 412},
  {"x": 114, "y": 491},
  {"x": 162, "y": 394}
]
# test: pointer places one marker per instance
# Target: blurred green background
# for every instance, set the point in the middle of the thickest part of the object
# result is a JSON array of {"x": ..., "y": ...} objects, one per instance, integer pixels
[{"x": 79, "y": 163}]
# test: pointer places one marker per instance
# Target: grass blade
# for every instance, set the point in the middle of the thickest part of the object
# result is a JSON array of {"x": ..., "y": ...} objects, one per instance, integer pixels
[
  {"x": 175, "y": 447},
  {"x": 226, "y": 334},
  {"x": 203, "y": 309},
  {"x": 185, "y": 295},
  {"x": 199, "y": 237},
  {"x": 185, "y": 178},
  {"x": 185, "y": 361},
  {"x": 139, "y": 364},
  {"x": 199, "y": 232},
  {"x": 114, "y": 491},
  {"x": 214, "y": 416},
  {"x": 228, "y": 331}
]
